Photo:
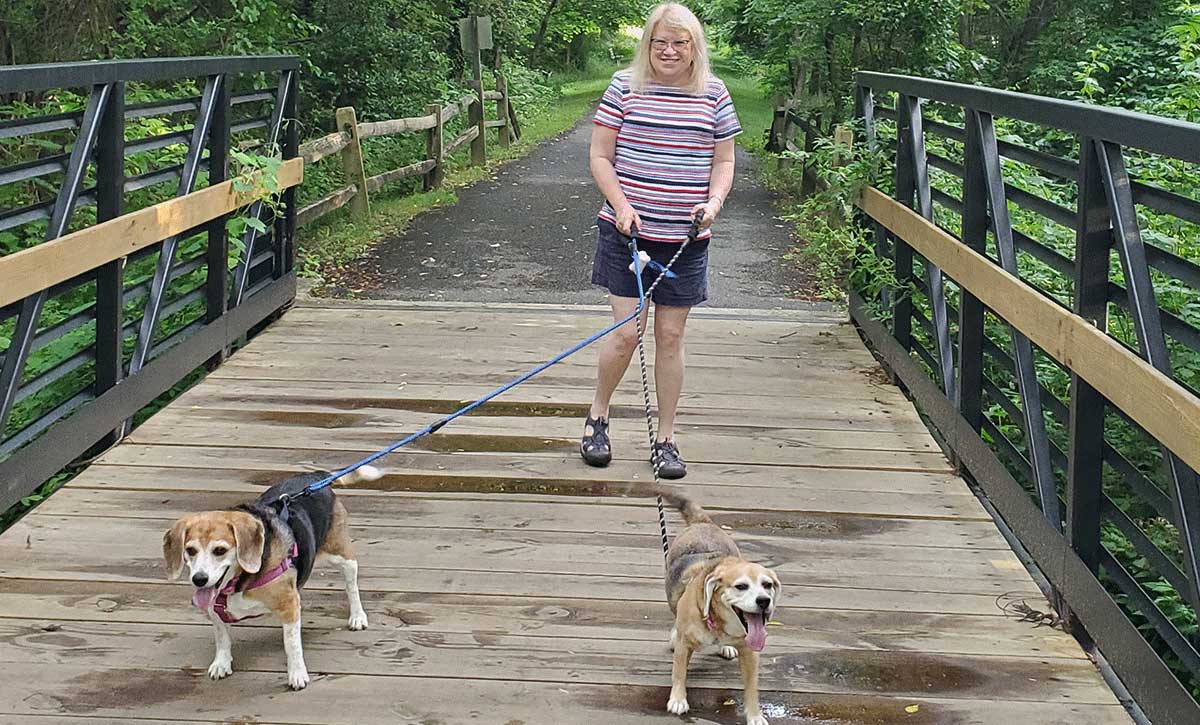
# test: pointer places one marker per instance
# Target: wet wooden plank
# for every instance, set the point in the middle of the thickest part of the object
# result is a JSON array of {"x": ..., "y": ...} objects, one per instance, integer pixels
[
  {"x": 886, "y": 410},
  {"x": 161, "y": 693},
  {"x": 315, "y": 362},
  {"x": 719, "y": 492},
  {"x": 499, "y": 512},
  {"x": 392, "y": 552},
  {"x": 46, "y": 601},
  {"x": 254, "y": 465},
  {"x": 493, "y": 656},
  {"x": 484, "y": 435},
  {"x": 311, "y": 415}
]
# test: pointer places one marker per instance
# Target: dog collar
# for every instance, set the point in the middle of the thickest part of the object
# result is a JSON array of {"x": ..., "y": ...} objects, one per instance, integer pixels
[
  {"x": 711, "y": 623},
  {"x": 221, "y": 601}
]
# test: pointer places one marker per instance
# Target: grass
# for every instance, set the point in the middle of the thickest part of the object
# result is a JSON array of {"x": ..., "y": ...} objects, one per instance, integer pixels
[
  {"x": 337, "y": 240},
  {"x": 754, "y": 110}
]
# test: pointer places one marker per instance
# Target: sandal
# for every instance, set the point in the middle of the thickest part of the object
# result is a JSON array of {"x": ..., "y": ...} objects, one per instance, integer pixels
[
  {"x": 666, "y": 460},
  {"x": 595, "y": 448}
]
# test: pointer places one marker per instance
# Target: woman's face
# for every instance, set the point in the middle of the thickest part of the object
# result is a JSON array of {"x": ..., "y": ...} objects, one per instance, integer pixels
[{"x": 670, "y": 54}]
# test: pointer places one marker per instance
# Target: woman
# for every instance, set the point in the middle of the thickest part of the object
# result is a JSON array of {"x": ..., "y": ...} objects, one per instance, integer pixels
[{"x": 662, "y": 153}]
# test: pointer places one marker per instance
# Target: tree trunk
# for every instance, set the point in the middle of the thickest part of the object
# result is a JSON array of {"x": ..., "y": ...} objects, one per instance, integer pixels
[
  {"x": 1038, "y": 16},
  {"x": 541, "y": 32}
]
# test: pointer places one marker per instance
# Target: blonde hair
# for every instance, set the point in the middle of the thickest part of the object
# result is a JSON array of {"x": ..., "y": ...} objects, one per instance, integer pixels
[{"x": 676, "y": 17}]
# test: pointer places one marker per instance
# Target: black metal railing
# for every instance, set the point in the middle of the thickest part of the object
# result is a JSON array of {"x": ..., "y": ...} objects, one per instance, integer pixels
[
  {"x": 1110, "y": 513},
  {"x": 82, "y": 354}
]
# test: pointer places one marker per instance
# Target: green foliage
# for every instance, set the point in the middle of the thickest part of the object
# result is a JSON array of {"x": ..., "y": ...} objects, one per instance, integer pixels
[{"x": 839, "y": 253}]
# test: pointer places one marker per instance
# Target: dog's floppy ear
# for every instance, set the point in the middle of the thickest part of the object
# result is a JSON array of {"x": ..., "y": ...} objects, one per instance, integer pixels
[
  {"x": 778, "y": 589},
  {"x": 249, "y": 536},
  {"x": 173, "y": 548},
  {"x": 710, "y": 586}
]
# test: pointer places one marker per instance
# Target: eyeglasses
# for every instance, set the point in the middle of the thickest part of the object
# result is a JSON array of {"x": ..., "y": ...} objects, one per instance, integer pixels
[{"x": 680, "y": 46}]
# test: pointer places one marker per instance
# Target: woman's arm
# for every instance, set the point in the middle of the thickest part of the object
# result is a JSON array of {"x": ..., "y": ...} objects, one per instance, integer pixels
[
  {"x": 720, "y": 181},
  {"x": 603, "y": 153}
]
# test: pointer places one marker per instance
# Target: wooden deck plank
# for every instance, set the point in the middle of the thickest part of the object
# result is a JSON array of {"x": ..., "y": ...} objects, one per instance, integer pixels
[
  {"x": 795, "y": 448},
  {"x": 497, "y": 567},
  {"x": 564, "y": 428},
  {"x": 597, "y": 661},
  {"x": 905, "y": 504},
  {"x": 45, "y": 601},
  {"x": 498, "y": 512},
  {"x": 160, "y": 693},
  {"x": 270, "y": 461},
  {"x": 392, "y": 552},
  {"x": 534, "y": 400}
]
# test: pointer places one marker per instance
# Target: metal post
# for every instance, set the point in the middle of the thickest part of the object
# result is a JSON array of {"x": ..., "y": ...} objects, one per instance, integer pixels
[
  {"x": 216, "y": 284},
  {"x": 291, "y": 149},
  {"x": 1085, "y": 453},
  {"x": 110, "y": 278},
  {"x": 970, "y": 311}
]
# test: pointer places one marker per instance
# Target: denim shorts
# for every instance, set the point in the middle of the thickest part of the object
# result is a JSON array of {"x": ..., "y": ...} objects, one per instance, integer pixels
[{"x": 611, "y": 268}]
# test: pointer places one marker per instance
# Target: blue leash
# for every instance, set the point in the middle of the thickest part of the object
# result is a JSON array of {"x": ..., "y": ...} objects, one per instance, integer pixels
[{"x": 433, "y": 428}]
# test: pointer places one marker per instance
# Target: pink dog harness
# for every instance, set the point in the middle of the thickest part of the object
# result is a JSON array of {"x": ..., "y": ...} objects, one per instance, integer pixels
[{"x": 222, "y": 598}]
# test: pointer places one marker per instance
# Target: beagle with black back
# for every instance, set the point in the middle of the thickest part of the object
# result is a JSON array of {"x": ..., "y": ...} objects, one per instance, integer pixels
[
  {"x": 253, "y": 559},
  {"x": 719, "y": 600}
]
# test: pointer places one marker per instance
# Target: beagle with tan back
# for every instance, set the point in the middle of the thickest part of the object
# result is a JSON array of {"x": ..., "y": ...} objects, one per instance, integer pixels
[
  {"x": 253, "y": 559},
  {"x": 719, "y": 600}
]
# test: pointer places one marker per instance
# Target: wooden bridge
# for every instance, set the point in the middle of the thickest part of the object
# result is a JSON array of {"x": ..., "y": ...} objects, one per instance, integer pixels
[{"x": 507, "y": 582}]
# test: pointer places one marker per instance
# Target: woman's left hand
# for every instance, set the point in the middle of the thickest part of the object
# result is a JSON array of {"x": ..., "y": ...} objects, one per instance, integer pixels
[{"x": 710, "y": 209}]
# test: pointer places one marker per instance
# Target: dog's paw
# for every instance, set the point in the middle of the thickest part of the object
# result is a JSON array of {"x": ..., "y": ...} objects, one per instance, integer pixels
[
  {"x": 728, "y": 652},
  {"x": 358, "y": 622},
  {"x": 298, "y": 680},
  {"x": 678, "y": 706},
  {"x": 758, "y": 719},
  {"x": 220, "y": 667}
]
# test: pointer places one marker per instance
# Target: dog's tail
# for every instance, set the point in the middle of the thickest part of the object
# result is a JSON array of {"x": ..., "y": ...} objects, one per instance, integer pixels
[
  {"x": 361, "y": 474},
  {"x": 692, "y": 512}
]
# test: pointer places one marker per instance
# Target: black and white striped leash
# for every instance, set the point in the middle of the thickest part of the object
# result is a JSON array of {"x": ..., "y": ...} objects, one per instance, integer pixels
[{"x": 655, "y": 461}]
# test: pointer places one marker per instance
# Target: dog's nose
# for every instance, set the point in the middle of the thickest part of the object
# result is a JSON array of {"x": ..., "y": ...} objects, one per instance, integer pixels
[
  {"x": 764, "y": 603},
  {"x": 199, "y": 579}
]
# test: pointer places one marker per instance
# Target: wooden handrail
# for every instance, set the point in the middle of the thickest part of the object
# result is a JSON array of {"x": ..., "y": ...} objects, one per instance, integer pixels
[
  {"x": 33, "y": 270},
  {"x": 1163, "y": 407}
]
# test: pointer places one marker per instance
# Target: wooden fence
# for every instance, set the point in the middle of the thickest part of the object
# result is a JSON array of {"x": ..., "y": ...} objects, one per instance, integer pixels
[
  {"x": 789, "y": 122},
  {"x": 346, "y": 142}
]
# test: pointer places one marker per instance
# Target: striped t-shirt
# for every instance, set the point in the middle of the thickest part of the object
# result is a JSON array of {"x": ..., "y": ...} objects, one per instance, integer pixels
[{"x": 664, "y": 156}]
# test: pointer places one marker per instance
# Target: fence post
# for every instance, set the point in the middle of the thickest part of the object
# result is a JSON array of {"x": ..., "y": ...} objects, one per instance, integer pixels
[
  {"x": 785, "y": 135},
  {"x": 843, "y": 139},
  {"x": 778, "y": 118},
  {"x": 502, "y": 132},
  {"x": 433, "y": 149},
  {"x": 475, "y": 118},
  {"x": 352, "y": 162}
]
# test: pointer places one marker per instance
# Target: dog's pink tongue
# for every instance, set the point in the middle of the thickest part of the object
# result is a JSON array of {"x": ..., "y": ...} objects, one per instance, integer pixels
[
  {"x": 756, "y": 631},
  {"x": 203, "y": 598}
]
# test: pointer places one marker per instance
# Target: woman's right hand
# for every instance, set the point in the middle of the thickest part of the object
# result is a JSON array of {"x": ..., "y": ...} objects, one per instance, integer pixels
[{"x": 627, "y": 218}]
